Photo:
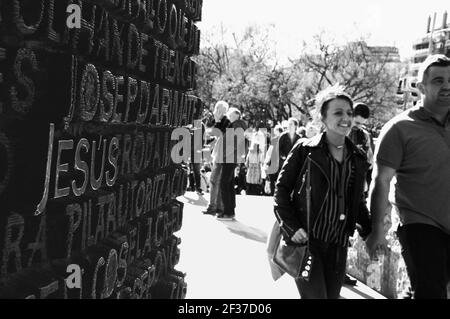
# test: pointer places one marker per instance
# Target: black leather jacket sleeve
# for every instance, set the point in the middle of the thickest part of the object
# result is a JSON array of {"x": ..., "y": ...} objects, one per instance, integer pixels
[{"x": 286, "y": 184}]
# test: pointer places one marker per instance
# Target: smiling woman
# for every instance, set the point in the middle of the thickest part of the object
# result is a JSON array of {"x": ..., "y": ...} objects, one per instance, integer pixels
[
  {"x": 326, "y": 214},
  {"x": 337, "y": 114}
]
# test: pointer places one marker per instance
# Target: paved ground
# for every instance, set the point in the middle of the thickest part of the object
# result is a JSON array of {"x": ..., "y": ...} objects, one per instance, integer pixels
[{"x": 227, "y": 259}]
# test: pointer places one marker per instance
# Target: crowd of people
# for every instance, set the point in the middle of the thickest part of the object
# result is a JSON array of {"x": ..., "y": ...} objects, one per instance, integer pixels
[
  {"x": 252, "y": 175},
  {"x": 323, "y": 174}
]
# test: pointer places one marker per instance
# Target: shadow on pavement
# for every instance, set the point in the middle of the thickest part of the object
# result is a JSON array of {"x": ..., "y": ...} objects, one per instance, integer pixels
[
  {"x": 201, "y": 201},
  {"x": 245, "y": 231}
]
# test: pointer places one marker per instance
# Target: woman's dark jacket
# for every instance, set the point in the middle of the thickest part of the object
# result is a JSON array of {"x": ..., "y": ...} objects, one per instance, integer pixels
[{"x": 290, "y": 191}]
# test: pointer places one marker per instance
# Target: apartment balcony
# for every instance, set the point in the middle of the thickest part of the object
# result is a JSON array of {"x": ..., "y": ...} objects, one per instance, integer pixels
[
  {"x": 421, "y": 52},
  {"x": 420, "y": 41}
]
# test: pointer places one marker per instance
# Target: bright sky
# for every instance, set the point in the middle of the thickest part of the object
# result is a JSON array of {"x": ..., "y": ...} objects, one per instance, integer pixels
[{"x": 387, "y": 22}]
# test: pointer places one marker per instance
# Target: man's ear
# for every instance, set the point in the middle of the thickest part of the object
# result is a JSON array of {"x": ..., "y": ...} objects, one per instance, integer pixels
[{"x": 421, "y": 87}]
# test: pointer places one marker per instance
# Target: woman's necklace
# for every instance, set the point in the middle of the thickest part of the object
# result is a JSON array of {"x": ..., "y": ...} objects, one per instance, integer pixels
[
  {"x": 337, "y": 146},
  {"x": 337, "y": 151}
]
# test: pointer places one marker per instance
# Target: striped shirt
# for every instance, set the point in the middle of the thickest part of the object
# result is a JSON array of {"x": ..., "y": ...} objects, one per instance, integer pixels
[{"x": 330, "y": 225}]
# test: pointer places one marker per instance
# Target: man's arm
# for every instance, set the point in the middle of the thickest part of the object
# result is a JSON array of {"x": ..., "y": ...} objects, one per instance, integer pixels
[
  {"x": 284, "y": 209},
  {"x": 379, "y": 205}
]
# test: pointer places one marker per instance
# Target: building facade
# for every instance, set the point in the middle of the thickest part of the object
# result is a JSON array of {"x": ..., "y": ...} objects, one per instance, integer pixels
[{"x": 436, "y": 40}]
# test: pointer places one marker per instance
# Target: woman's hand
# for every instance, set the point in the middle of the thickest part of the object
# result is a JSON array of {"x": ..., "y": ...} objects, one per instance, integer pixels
[{"x": 300, "y": 236}]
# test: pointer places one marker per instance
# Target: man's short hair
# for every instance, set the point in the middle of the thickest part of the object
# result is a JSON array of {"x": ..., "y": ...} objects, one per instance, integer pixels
[
  {"x": 362, "y": 110},
  {"x": 294, "y": 120},
  {"x": 432, "y": 60}
]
